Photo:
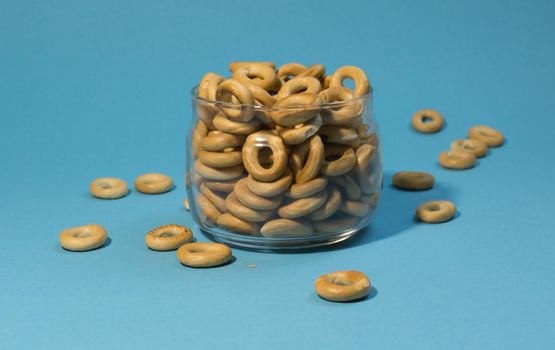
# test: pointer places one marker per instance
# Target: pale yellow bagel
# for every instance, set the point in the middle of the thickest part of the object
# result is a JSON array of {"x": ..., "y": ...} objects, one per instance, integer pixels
[
  {"x": 307, "y": 189},
  {"x": 280, "y": 228},
  {"x": 343, "y": 286},
  {"x": 225, "y": 159},
  {"x": 168, "y": 237},
  {"x": 216, "y": 198},
  {"x": 487, "y": 135},
  {"x": 253, "y": 145},
  {"x": 233, "y": 223},
  {"x": 243, "y": 212},
  {"x": 476, "y": 147},
  {"x": 233, "y": 88},
  {"x": 458, "y": 160},
  {"x": 301, "y": 132},
  {"x": 300, "y": 84},
  {"x": 362, "y": 85},
  {"x": 339, "y": 135},
  {"x": 271, "y": 188},
  {"x": 436, "y": 211},
  {"x": 109, "y": 188},
  {"x": 427, "y": 121},
  {"x": 153, "y": 183},
  {"x": 303, "y": 206},
  {"x": 306, "y": 159},
  {"x": 348, "y": 185},
  {"x": 217, "y": 141},
  {"x": 219, "y": 174},
  {"x": 329, "y": 208},
  {"x": 203, "y": 254},
  {"x": 253, "y": 201},
  {"x": 83, "y": 238},
  {"x": 289, "y": 70},
  {"x": 209, "y": 210},
  {"x": 346, "y": 161}
]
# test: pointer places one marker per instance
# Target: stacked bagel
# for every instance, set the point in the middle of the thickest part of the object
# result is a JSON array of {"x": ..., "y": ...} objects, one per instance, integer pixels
[{"x": 290, "y": 152}]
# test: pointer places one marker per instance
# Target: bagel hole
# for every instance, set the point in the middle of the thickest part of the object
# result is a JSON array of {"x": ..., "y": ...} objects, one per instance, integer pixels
[
  {"x": 348, "y": 83},
  {"x": 166, "y": 234},
  {"x": 434, "y": 207},
  {"x": 265, "y": 157},
  {"x": 105, "y": 186},
  {"x": 485, "y": 133},
  {"x": 427, "y": 119},
  {"x": 253, "y": 76},
  {"x": 81, "y": 234},
  {"x": 468, "y": 146},
  {"x": 288, "y": 77},
  {"x": 339, "y": 281}
]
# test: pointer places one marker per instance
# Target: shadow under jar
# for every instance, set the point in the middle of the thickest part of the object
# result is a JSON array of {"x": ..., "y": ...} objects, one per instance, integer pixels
[{"x": 299, "y": 174}]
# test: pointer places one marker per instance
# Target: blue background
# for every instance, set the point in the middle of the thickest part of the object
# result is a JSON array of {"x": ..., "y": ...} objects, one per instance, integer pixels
[{"x": 101, "y": 88}]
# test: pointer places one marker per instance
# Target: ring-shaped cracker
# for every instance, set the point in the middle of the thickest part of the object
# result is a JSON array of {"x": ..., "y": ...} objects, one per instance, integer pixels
[
  {"x": 330, "y": 207},
  {"x": 476, "y": 147},
  {"x": 296, "y": 109},
  {"x": 298, "y": 85},
  {"x": 83, "y": 238},
  {"x": 218, "y": 199},
  {"x": 258, "y": 141},
  {"x": 233, "y": 223},
  {"x": 486, "y": 134},
  {"x": 243, "y": 212},
  {"x": 303, "y": 206},
  {"x": 211, "y": 173},
  {"x": 342, "y": 165},
  {"x": 355, "y": 208},
  {"x": 458, "y": 160},
  {"x": 251, "y": 200},
  {"x": 306, "y": 159},
  {"x": 339, "y": 135},
  {"x": 301, "y": 132},
  {"x": 362, "y": 85},
  {"x": 343, "y": 286},
  {"x": 348, "y": 184},
  {"x": 229, "y": 126},
  {"x": 427, "y": 121},
  {"x": 306, "y": 189},
  {"x": 109, "y": 188},
  {"x": 282, "y": 228},
  {"x": 168, "y": 237},
  {"x": 242, "y": 112},
  {"x": 272, "y": 188},
  {"x": 258, "y": 74},
  {"x": 290, "y": 70},
  {"x": 436, "y": 211},
  {"x": 348, "y": 108},
  {"x": 220, "y": 159},
  {"x": 204, "y": 254}
]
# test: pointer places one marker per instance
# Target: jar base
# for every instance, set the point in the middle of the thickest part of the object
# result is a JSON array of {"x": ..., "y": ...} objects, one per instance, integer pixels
[{"x": 258, "y": 243}]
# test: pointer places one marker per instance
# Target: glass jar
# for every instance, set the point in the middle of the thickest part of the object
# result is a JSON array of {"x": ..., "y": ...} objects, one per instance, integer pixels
[{"x": 312, "y": 179}]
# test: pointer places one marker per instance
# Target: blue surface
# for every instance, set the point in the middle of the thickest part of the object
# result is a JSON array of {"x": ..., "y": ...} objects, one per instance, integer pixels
[{"x": 100, "y": 88}]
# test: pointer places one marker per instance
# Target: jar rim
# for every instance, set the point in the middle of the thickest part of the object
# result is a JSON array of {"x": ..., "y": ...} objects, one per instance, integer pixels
[{"x": 231, "y": 105}]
